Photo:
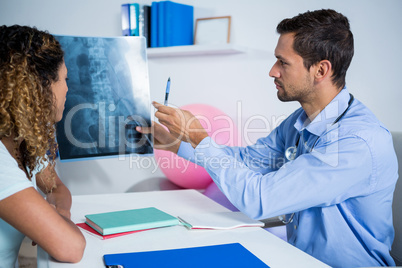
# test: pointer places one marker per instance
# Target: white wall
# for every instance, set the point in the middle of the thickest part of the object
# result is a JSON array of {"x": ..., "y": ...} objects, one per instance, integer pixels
[{"x": 225, "y": 81}]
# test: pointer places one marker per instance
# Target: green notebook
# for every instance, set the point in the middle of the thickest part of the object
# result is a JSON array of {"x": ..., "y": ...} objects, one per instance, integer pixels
[{"x": 130, "y": 220}]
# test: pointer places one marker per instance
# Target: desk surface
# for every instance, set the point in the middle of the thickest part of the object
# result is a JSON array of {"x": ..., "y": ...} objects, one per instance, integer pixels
[{"x": 269, "y": 248}]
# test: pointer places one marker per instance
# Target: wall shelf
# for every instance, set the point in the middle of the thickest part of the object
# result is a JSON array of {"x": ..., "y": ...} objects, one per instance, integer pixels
[{"x": 194, "y": 50}]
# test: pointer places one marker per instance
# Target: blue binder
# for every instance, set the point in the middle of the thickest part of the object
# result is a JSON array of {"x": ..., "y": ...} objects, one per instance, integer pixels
[
  {"x": 226, "y": 255},
  {"x": 154, "y": 24},
  {"x": 125, "y": 19},
  {"x": 179, "y": 22},
  {"x": 161, "y": 23},
  {"x": 134, "y": 19}
]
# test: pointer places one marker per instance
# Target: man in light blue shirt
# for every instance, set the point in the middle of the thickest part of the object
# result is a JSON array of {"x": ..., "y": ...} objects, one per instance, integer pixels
[{"x": 330, "y": 166}]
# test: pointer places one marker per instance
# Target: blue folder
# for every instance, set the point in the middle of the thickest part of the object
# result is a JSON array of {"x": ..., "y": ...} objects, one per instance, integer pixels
[{"x": 226, "y": 255}]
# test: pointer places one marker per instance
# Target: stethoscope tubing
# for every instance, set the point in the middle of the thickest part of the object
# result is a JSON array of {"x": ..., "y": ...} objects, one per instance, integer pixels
[{"x": 291, "y": 152}]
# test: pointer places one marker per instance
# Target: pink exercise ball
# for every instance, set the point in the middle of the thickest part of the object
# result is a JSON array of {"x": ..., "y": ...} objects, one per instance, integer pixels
[{"x": 220, "y": 128}]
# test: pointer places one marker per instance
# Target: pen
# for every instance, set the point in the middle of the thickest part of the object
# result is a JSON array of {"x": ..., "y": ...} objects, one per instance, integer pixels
[{"x": 167, "y": 92}]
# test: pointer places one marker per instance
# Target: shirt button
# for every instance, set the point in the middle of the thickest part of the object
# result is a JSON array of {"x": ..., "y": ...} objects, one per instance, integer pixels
[{"x": 295, "y": 227}]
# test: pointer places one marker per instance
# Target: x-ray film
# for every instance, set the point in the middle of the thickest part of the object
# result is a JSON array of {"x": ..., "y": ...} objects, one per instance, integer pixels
[{"x": 108, "y": 96}]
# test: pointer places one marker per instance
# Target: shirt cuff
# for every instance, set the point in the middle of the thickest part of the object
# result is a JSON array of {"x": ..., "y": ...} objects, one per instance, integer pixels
[{"x": 186, "y": 151}]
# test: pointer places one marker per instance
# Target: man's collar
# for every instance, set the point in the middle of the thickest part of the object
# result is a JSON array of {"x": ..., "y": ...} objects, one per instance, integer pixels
[{"x": 326, "y": 117}]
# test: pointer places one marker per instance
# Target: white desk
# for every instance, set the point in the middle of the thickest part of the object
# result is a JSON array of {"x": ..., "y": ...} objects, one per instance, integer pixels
[{"x": 270, "y": 249}]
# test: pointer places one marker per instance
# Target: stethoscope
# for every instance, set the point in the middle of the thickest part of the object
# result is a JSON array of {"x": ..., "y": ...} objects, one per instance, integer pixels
[{"x": 290, "y": 152}]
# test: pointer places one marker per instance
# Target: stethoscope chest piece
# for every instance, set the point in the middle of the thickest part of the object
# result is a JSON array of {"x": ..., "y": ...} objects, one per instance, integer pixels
[{"x": 290, "y": 153}]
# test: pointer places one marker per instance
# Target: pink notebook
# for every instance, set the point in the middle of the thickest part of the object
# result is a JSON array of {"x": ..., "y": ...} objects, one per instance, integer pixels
[{"x": 92, "y": 231}]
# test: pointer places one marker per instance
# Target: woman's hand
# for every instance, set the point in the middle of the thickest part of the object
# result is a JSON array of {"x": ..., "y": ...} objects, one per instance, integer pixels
[{"x": 57, "y": 194}]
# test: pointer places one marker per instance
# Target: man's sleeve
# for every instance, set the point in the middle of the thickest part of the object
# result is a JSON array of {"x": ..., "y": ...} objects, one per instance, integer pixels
[
  {"x": 264, "y": 156},
  {"x": 318, "y": 178}
]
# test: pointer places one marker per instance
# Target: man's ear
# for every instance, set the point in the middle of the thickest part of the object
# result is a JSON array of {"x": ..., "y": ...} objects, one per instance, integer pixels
[{"x": 323, "y": 69}]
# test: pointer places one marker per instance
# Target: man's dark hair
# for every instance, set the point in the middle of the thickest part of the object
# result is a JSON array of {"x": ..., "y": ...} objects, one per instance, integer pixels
[{"x": 322, "y": 35}]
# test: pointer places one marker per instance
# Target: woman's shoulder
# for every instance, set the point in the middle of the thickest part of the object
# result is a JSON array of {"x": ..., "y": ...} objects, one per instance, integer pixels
[{"x": 12, "y": 178}]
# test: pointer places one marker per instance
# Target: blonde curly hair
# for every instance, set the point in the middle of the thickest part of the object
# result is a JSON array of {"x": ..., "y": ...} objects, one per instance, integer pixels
[{"x": 29, "y": 63}]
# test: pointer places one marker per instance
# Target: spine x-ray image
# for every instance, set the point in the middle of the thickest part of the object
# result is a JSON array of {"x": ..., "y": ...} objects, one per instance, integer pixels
[{"x": 108, "y": 96}]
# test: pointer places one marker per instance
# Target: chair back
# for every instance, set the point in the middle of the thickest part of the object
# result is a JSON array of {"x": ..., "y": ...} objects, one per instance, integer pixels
[{"x": 396, "y": 251}]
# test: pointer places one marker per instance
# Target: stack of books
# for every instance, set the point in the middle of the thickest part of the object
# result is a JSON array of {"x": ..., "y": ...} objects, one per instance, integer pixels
[
  {"x": 127, "y": 221},
  {"x": 163, "y": 24},
  {"x": 116, "y": 223}
]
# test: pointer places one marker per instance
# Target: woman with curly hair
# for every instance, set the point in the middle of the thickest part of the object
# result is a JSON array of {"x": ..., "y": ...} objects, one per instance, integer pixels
[{"x": 32, "y": 95}]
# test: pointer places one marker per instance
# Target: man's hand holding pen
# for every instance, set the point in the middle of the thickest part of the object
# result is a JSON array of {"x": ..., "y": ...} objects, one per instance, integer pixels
[
  {"x": 181, "y": 123},
  {"x": 182, "y": 126}
]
